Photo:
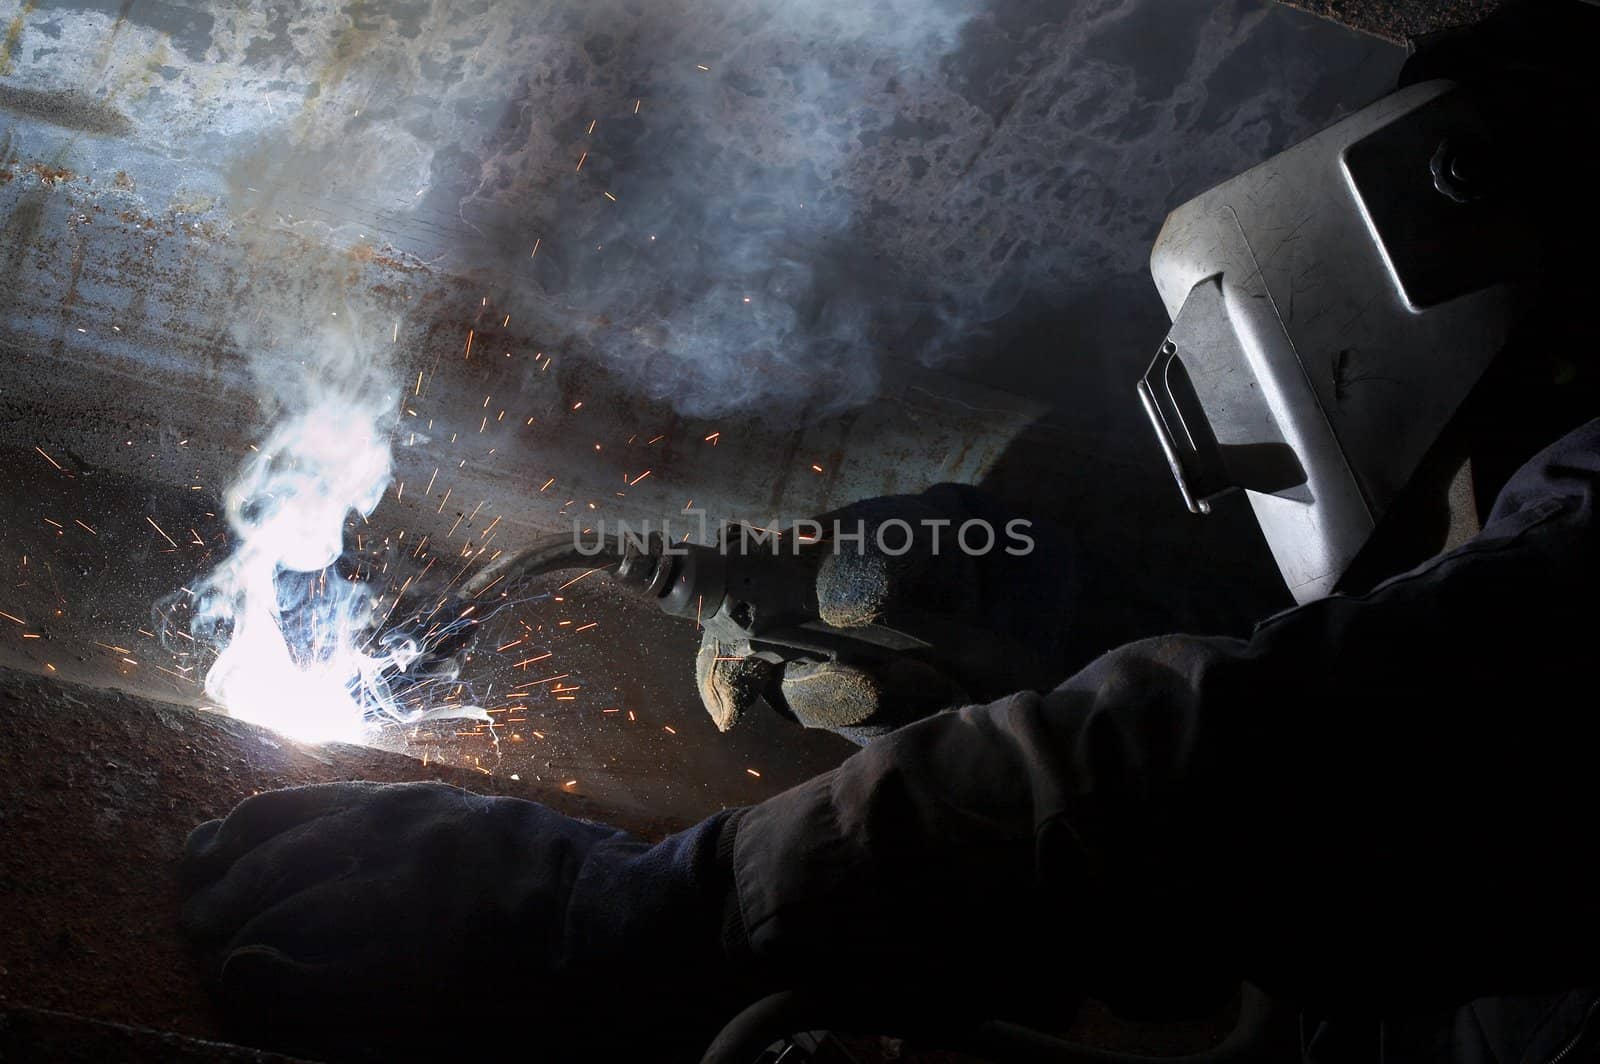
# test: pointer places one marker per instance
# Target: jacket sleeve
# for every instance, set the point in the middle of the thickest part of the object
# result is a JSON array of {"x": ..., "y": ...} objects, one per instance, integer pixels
[{"x": 1375, "y": 802}]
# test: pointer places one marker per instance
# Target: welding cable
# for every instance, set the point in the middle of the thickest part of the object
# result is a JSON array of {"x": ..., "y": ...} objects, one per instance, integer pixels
[{"x": 547, "y": 554}]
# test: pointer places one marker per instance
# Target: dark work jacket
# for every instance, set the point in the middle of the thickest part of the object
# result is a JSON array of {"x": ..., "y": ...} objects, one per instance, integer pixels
[{"x": 1380, "y": 808}]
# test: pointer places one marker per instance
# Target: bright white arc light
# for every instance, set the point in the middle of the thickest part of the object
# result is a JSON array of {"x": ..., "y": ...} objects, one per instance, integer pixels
[{"x": 293, "y": 659}]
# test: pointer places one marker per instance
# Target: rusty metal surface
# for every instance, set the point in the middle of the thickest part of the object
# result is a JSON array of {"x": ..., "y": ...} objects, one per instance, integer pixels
[{"x": 175, "y": 168}]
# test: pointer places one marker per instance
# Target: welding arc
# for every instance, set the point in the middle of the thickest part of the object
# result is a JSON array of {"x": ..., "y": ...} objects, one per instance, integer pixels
[{"x": 547, "y": 554}]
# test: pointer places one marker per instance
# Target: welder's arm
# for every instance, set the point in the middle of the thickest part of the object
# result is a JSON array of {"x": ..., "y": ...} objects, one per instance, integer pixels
[
  {"x": 1375, "y": 802},
  {"x": 362, "y": 921}
]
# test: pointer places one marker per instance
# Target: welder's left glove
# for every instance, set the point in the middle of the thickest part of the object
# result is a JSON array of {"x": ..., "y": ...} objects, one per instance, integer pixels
[
  {"x": 1006, "y": 610},
  {"x": 390, "y": 921}
]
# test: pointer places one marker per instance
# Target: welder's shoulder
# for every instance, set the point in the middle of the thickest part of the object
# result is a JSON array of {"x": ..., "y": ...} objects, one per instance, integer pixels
[{"x": 1565, "y": 474}]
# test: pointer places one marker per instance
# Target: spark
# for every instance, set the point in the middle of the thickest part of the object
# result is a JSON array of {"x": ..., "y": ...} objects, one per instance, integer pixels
[
  {"x": 549, "y": 482},
  {"x": 580, "y": 576},
  {"x": 535, "y": 250},
  {"x": 638, "y": 478},
  {"x": 164, "y": 536},
  {"x": 419, "y": 383},
  {"x": 712, "y": 439},
  {"x": 586, "y": 627},
  {"x": 9, "y": 617},
  {"x": 47, "y": 458},
  {"x": 816, "y": 468},
  {"x": 636, "y": 105},
  {"x": 656, "y": 439},
  {"x": 753, "y": 772},
  {"x": 609, "y": 196},
  {"x": 592, "y": 124},
  {"x": 470, "y": 334},
  {"x": 669, "y": 729},
  {"x": 547, "y": 679},
  {"x": 701, "y": 66},
  {"x": 582, "y": 157}
]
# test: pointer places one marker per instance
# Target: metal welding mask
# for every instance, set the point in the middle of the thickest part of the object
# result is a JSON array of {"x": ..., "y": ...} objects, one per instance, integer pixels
[{"x": 1331, "y": 310}]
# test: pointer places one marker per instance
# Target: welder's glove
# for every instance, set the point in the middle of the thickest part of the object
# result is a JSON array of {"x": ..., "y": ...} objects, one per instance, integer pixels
[
  {"x": 1008, "y": 614},
  {"x": 390, "y": 921}
]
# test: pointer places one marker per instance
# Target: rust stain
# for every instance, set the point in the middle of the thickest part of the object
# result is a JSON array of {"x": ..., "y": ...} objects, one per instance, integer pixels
[
  {"x": 6, "y": 175},
  {"x": 14, "y": 37},
  {"x": 387, "y": 257},
  {"x": 50, "y": 176}
]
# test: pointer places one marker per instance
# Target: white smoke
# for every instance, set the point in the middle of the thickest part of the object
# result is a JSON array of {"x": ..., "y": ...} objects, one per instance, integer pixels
[{"x": 292, "y": 627}]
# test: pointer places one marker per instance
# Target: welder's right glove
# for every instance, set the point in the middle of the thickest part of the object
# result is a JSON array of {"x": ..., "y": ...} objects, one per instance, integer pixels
[
  {"x": 1003, "y": 616},
  {"x": 362, "y": 921}
]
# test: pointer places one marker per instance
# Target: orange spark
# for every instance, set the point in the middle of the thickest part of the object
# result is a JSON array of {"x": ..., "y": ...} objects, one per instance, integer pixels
[{"x": 164, "y": 536}]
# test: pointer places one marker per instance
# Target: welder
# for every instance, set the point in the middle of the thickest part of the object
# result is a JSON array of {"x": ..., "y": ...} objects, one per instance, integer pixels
[{"x": 1376, "y": 807}]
